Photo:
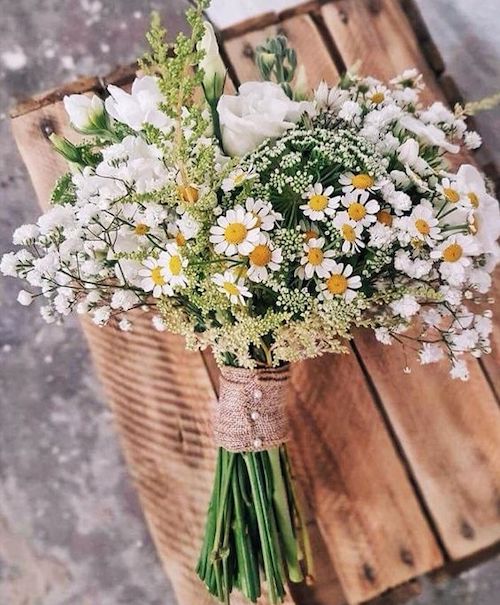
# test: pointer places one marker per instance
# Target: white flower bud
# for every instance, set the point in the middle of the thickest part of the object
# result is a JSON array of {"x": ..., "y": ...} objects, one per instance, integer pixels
[
  {"x": 212, "y": 65},
  {"x": 85, "y": 113},
  {"x": 24, "y": 298}
]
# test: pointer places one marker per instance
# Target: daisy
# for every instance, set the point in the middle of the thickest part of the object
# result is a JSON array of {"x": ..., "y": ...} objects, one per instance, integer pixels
[
  {"x": 183, "y": 229},
  {"x": 232, "y": 286},
  {"x": 353, "y": 182},
  {"x": 309, "y": 230},
  {"x": 451, "y": 192},
  {"x": 236, "y": 232},
  {"x": 173, "y": 266},
  {"x": 360, "y": 208},
  {"x": 315, "y": 261},
  {"x": 341, "y": 282},
  {"x": 377, "y": 95},
  {"x": 319, "y": 202},
  {"x": 263, "y": 258},
  {"x": 455, "y": 255},
  {"x": 350, "y": 232},
  {"x": 264, "y": 213},
  {"x": 422, "y": 224},
  {"x": 237, "y": 178},
  {"x": 153, "y": 278}
]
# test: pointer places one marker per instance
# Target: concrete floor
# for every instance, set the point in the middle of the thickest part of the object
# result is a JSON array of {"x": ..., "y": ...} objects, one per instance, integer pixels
[{"x": 71, "y": 530}]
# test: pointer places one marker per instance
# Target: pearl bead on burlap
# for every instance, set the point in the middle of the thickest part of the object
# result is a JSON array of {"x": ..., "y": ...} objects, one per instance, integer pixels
[{"x": 250, "y": 415}]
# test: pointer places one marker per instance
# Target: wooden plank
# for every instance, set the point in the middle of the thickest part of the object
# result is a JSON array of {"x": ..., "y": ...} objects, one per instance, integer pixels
[
  {"x": 432, "y": 435},
  {"x": 379, "y": 35},
  {"x": 371, "y": 522},
  {"x": 365, "y": 507},
  {"x": 303, "y": 36},
  {"x": 450, "y": 432}
]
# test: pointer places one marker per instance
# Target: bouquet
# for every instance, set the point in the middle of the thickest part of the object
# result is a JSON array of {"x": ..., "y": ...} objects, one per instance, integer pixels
[{"x": 267, "y": 225}]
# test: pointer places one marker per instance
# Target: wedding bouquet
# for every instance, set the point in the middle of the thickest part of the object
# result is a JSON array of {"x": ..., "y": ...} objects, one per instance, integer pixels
[{"x": 267, "y": 225}]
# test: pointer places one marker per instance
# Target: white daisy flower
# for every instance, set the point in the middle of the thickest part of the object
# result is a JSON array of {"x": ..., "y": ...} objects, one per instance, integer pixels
[
  {"x": 173, "y": 266},
  {"x": 232, "y": 286},
  {"x": 184, "y": 229},
  {"x": 236, "y": 232},
  {"x": 455, "y": 255},
  {"x": 319, "y": 202},
  {"x": 361, "y": 208},
  {"x": 423, "y": 225},
  {"x": 341, "y": 283},
  {"x": 450, "y": 190},
  {"x": 153, "y": 278},
  {"x": 315, "y": 261},
  {"x": 236, "y": 179},
  {"x": 377, "y": 96},
  {"x": 263, "y": 258},
  {"x": 350, "y": 232},
  {"x": 353, "y": 182},
  {"x": 264, "y": 213}
]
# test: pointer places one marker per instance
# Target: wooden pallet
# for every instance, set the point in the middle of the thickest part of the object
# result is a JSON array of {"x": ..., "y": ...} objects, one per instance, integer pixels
[{"x": 401, "y": 473}]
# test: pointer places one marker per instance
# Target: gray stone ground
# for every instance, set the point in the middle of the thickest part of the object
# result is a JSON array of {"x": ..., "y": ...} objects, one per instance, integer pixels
[{"x": 71, "y": 531}]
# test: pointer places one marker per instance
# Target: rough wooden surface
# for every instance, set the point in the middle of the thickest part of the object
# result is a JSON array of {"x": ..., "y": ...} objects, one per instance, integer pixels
[{"x": 381, "y": 472}]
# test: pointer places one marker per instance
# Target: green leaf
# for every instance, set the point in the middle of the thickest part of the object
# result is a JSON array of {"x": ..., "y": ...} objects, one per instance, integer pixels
[{"x": 64, "y": 190}]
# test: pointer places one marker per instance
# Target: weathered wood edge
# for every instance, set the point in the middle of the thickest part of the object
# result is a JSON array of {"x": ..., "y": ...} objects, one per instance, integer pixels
[{"x": 119, "y": 76}]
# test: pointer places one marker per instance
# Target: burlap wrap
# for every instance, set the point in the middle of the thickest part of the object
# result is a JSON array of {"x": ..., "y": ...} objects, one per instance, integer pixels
[{"x": 251, "y": 412}]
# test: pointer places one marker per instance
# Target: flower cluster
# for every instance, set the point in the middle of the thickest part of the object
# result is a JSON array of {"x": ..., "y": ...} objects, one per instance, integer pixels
[{"x": 264, "y": 224}]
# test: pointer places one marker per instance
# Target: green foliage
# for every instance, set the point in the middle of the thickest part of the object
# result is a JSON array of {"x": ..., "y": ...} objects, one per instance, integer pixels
[
  {"x": 277, "y": 62},
  {"x": 64, "y": 190}
]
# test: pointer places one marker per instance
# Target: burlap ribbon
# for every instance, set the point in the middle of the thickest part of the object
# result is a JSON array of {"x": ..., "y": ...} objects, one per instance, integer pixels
[{"x": 251, "y": 412}]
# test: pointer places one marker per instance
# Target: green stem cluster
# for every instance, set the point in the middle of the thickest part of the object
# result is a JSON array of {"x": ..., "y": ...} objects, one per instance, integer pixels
[{"x": 255, "y": 530}]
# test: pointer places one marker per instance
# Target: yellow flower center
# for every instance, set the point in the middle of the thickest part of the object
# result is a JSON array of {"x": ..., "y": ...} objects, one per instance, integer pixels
[
  {"x": 188, "y": 194},
  {"x": 362, "y": 181},
  {"x": 348, "y": 233},
  {"x": 315, "y": 256},
  {"x": 239, "y": 179},
  {"x": 451, "y": 195},
  {"x": 231, "y": 288},
  {"x": 452, "y": 253},
  {"x": 318, "y": 202},
  {"x": 175, "y": 265},
  {"x": 356, "y": 211},
  {"x": 422, "y": 226},
  {"x": 474, "y": 200},
  {"x": 337, "y": 284},
  {"x": 377, "y": 97},
  {"x": 260, "y": 255},
  {"x": 385, "y": 218},
  {"x": 310, "y": 234},
  {"x": 235, "y": 233},
  {"x": 157, "y": 277},
  {"x": 180, "y": 240},
  {"x": 141, "y": 229}
]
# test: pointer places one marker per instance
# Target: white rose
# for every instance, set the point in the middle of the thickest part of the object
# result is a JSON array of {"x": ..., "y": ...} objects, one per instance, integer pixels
[
  {"x": 212, "y": 65},
  {"x": 261, "y": 110},
  {"x": 85, "y": 113},
  {"x": 140, "y": 106}
]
